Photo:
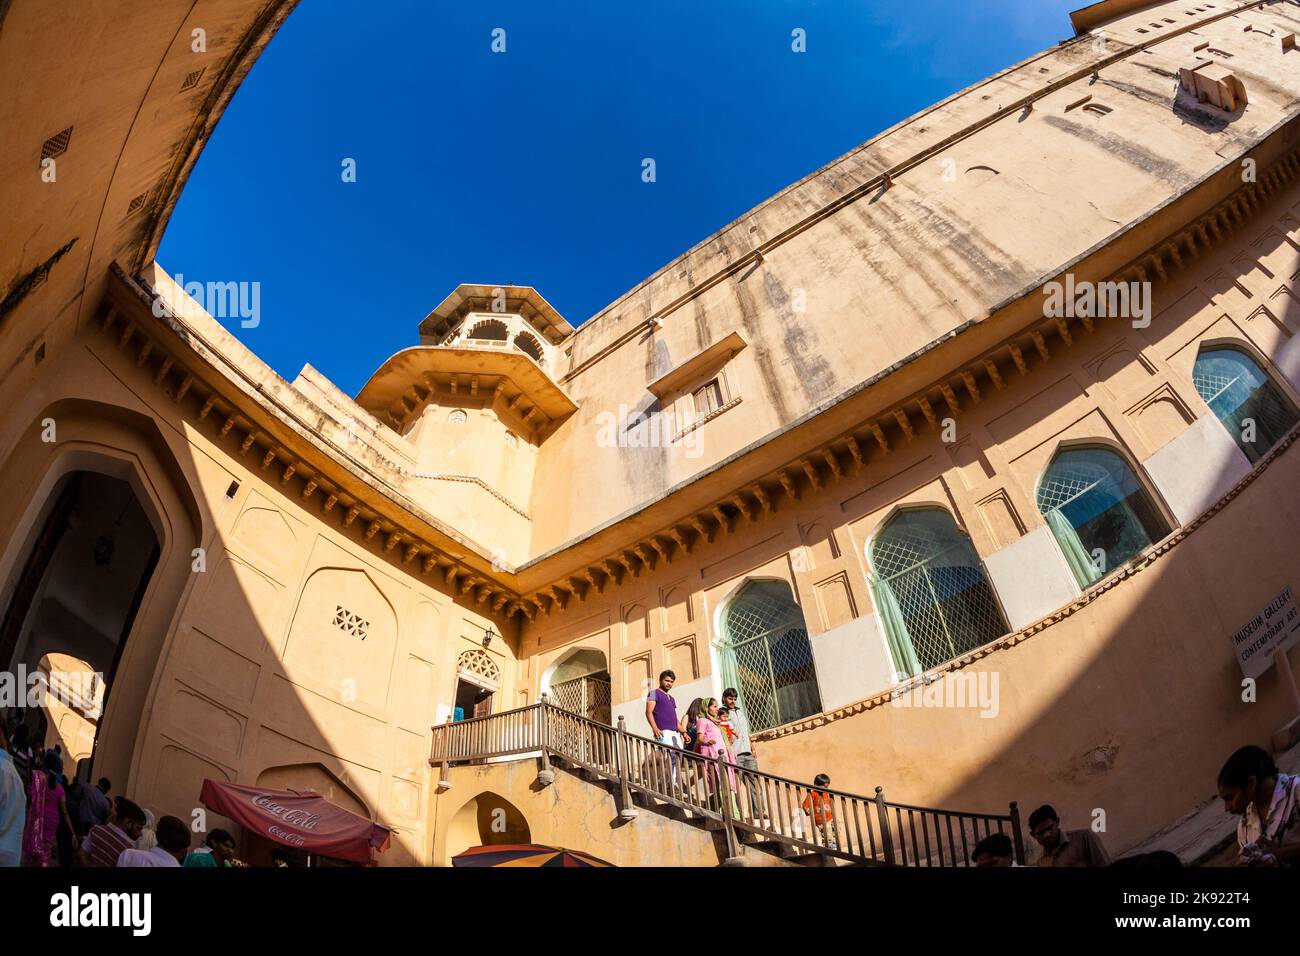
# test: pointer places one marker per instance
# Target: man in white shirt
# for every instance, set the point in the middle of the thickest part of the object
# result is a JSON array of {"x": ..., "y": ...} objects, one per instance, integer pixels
[
  {"x": 743, "y": 747},
  {"x": 13, "y": 808},
  {"x": 173, "y": 844}
]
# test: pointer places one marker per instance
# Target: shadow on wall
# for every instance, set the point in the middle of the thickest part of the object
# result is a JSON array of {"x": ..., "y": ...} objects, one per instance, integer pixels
[{"x": 219, "y": 668}]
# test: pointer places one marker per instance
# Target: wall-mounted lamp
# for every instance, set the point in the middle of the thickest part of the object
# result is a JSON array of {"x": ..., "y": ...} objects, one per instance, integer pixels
[{"x": 487, "y": 636}]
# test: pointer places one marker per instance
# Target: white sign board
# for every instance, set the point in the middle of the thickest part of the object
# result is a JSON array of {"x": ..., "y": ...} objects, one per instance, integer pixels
[{"x": 1275, "y": 628}]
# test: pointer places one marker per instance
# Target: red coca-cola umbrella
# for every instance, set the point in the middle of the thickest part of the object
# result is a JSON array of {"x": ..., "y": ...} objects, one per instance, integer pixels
[{"x": 303, "y": 820}]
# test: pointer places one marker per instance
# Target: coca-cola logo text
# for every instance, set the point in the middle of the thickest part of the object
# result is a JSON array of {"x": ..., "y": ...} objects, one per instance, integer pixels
[
  {"x": 292, "y": 838},
  {"x": 298, "y": 818}
]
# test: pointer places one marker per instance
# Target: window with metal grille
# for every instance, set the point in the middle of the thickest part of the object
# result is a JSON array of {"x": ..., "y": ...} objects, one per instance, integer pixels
[
  {"x": 708, "y": 397},
  {"x": 1244, "y": 399},
  {"x": 57, "y": 144},
  {"x": 932, "y": 593},
  {"x": 1098, "y": 511},
  {"x": 766, "y": 656}
]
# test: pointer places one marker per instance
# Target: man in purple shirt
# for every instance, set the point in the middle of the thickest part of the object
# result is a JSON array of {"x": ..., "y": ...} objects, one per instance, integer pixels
[{"x": 661, "y": 712}]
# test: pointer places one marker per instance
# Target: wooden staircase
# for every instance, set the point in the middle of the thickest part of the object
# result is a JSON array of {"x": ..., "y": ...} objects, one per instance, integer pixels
[{"x": 748, "y": 810}]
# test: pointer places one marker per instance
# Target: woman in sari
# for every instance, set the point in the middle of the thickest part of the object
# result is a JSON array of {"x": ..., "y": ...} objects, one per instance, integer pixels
[
  {"x": 711, "y": 742},
  {"x": 46, "y": 808}
]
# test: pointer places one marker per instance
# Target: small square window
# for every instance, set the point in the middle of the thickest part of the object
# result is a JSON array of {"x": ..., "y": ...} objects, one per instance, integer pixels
[{"x": 709, "y": 397}]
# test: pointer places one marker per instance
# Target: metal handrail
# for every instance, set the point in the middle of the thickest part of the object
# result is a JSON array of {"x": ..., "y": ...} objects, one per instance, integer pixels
[{"x": 836, "y": 823}]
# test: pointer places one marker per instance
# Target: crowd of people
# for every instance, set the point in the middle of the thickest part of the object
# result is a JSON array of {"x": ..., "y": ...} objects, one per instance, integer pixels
[
  {"x": 48, "y": 820},
  {"x": 1265, "y": 801}
]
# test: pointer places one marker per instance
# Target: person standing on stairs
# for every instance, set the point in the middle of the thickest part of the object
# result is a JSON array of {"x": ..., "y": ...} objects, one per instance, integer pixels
[
  {"x": 661, "y": 714},
  {"x": 711, "y": 743},
  {"x": 744, "y": 748}
]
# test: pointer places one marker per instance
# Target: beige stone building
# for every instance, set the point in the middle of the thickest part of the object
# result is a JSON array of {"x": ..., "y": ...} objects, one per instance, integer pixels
[{"x": 1003, "y": 400}]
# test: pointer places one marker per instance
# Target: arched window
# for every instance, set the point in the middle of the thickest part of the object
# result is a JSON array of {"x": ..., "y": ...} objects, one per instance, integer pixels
[
  {"x": 457, "y": 417},
  {"x": 493, "y": 330},
  {"x": 529, "y": 346},
  {"x": 1244, "y": 399},
  {"x": 931, "y": 591},
  {"x": 1098, "y": 511},
  {"x": 766, "y": 656}
]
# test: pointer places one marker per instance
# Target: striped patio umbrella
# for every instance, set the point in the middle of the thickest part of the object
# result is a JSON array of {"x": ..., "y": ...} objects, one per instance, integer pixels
[{"x": 524, "y": 854}]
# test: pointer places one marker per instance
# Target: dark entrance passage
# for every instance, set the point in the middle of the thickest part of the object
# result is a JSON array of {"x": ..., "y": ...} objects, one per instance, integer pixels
[{"x": 71, "y": 607}]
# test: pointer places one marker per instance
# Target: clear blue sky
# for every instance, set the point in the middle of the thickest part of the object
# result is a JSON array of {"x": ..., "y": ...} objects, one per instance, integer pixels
[{"x": 525, "y": 167}]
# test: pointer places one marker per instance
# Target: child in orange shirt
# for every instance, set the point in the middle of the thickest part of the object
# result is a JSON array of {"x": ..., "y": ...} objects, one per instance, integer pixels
[{"x": 820, "y": 806}]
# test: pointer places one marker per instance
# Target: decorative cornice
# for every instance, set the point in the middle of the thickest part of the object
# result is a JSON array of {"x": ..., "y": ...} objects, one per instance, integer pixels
[
  {"x": 818, "y": 467},
  {"x": 205, "y": 408}
]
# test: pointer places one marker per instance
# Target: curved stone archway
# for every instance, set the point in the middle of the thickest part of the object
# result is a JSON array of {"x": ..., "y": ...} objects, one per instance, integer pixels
[
  {"x": 126, "y": 447},
  {"x": 488, "y": 819}
]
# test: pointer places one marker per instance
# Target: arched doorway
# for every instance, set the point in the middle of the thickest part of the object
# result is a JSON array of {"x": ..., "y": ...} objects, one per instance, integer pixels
[
  {"x": 72, "y": 709},
  {"x": 75, "y": 599},
  {"x": 488, "y": 819},
  {"x": 579, "y": 682}
]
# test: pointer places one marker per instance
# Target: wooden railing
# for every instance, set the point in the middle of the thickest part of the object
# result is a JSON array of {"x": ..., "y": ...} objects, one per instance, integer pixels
[{"x": 863, "y": 830}]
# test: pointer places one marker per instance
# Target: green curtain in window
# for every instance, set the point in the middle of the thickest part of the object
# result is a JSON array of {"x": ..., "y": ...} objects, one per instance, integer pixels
[
  {"x": 1076, "y": 555},
  {"x": 891, "y": 616}
]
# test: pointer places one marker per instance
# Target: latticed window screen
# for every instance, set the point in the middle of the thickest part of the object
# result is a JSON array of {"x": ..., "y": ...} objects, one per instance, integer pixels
[
  {"x": 479, "y": 663},
  {"x": 1240, "y": 393},
  {"x": 945, "y": 601},
  {"x": 350, "y": 623},
  {"x": 586, "y": 696},
  {"x": 1098, "y": 511},
  {"x": 767, "y": 657}
]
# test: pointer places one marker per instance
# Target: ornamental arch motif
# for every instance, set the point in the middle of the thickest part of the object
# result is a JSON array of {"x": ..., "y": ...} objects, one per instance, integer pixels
[
  {"x": 527, "y": 343},
  {"x": 492, "y": 330},
  {"x": 478, "y": 664}
]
